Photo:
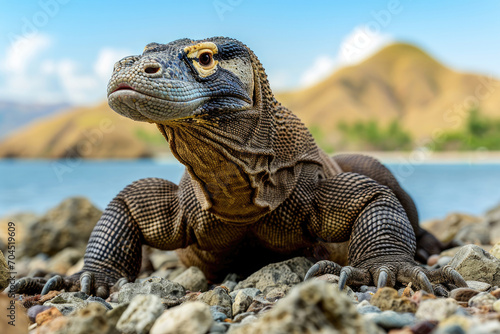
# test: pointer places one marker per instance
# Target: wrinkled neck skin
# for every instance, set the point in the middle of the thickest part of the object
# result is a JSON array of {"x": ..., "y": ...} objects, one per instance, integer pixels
[{"x": 245, "y": 163}]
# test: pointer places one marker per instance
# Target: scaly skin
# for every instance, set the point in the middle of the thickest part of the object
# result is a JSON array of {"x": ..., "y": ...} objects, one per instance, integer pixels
[{"x": 256, "y": 189}]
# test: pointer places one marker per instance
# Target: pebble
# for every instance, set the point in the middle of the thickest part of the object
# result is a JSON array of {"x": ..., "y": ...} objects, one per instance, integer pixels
[
  {"x": 496, "y": 293},
  {"x": 242, "y": 316},
  {"x": 388, "y": 299},
  {"x": 475, "y": 264},
  {"x": 188, "y": 318},
  {"x": 365, "y": 307},
  {"x": 496, "y": 306},
  {"x": 432, "y": 260},
  {"x": 482, "y": 300},
  {"x": 192, "y": 279},
  {"x": 479, "y": 286},
  {"x": 218, "y": 297},
  {"x": 463, "y": 294},
  {"x": 34, "y": 310},
  {"x": 252, "y": 292},
  {"x": 68, "y": 302},
  {"x": 140, "y": 315},
  {"x": 160, "y": 287},
  {"x": 444, "y": 260},
  {"x": 282, "y": 274},
  {"x": 390, "y": 319},
  {"x": 217, "y": 315},
  {"x": 241, "y": 302},
  {"x": 436, "y": 309},
  {"x": 47, "y": 316},
  {"x": 364, "y": 296},
  {"x": 489, "y": 327}
]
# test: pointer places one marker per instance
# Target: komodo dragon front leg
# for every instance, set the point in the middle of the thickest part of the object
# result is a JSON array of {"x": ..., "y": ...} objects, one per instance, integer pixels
[
  {"x": 145, "y": 212},
  {"x": 382, "y": 244},
  {"x": 427, "y": 244}
]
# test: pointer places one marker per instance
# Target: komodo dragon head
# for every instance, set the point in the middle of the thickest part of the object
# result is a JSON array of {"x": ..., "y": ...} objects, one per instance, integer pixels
[
  {"x": 183, "y": 79},
  {"x": 212, "y": 101}
]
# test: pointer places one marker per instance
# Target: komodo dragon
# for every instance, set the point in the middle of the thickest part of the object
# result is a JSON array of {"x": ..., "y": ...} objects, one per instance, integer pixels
[{"x": 256, "y": 188}]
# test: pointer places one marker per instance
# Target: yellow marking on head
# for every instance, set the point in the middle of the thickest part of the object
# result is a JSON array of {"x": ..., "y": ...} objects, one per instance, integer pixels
[{"x": 194, "y": 51}]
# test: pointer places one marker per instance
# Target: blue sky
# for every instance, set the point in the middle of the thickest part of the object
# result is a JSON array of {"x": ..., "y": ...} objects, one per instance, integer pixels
[{"x": 63, "y": 50}]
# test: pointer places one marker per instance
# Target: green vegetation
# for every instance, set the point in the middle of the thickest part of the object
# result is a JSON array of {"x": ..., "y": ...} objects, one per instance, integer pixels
[
  {"x": 371, "y": 136},
  {"x": 149, "y": 138},
  {"x": 320, "y": 138},
  {"x": 479, "y": 132}
]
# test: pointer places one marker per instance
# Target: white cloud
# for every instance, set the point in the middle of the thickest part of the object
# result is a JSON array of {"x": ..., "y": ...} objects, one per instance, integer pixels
[
  {"x": 29, "y": 77},
  {"x": 107, "y": 57},
  {"x": 23, "y": 51},
  {"x": 360, "y": 44},
  {"x": 321, "y": 68}
]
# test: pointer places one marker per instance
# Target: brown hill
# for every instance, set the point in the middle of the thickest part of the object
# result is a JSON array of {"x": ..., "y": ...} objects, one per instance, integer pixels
[
  {"x": 400, "y": 82},
  {"x": 88, "y": 132}
]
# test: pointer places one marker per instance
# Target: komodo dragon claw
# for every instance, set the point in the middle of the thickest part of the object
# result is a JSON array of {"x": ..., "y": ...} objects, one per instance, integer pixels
[{"x": 403, "y": 272}]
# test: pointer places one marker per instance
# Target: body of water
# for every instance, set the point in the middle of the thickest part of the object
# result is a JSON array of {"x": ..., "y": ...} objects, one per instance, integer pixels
[{"x": 36, "y": 186}]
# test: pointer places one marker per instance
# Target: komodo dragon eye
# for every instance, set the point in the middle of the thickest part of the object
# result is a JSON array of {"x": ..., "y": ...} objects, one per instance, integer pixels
[{"x": 206, "y": 59}]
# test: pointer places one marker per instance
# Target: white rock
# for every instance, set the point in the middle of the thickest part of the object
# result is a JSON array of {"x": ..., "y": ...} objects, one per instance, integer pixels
[{"x": 188, "y": 318}]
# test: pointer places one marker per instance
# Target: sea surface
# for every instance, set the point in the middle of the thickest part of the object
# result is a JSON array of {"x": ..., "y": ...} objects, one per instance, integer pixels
[{"x": 38, "y": 185}]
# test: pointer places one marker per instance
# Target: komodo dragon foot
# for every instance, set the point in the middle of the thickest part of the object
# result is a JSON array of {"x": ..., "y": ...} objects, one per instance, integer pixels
[
  {"x": 384, "y": 271},
  {"x": 88, "y": 282}
]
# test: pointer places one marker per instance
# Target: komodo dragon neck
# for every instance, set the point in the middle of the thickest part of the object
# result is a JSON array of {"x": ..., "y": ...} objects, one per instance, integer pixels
[{"x": 245, "y": 164}]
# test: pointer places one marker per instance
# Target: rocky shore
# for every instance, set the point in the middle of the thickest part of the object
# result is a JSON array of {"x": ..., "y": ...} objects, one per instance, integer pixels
[{"x": 169, "y": 298}]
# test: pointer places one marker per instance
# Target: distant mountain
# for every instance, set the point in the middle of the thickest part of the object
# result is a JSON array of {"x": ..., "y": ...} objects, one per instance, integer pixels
[
  {"x": 14, "y": 115},
  {"x": 400, "y": 82},
  {"x": 85, "y": 132}
]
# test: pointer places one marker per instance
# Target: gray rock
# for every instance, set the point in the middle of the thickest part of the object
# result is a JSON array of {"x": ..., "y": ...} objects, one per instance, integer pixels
[
  {"x": 241, "y": 316},
  {"x": 241, "y": 302},
  {"x": 188, "y": 318},
  {"x": 444, "y": 260},
  {"x": 219, "y": 328},
  {"x": 252, "y": 292},
  {"x": 67, "y": 225},
  {"x": 450, "y": 329},
  {"x": 390, "y": 319},
  {"x": 313, "y": 306},
  {"x": 479, "y": 286},
  {"x": 218, "y": 297},
  {"x": 34, "y": 310},
  {"x": 192, "y": 279},
  {"x": 140, "y": 315},
  {"x": 463, "y": 294},
  {"x": 4, "y": 273},
  {"x": 365, "y": 307},
  {"x": 474, "y": 234},
  {"x": 67, "y": 302},
  {"x": 159, "y": 287},
  {"x": 483, "y": 299},
  {"x": 100, "y": 301},
  {"x": 115, "y": 314},
  {"x": 89, "y": 320},
  {"x": 282, "y": 274},
  {"x": 489, "y": 327},
  {"x": 436, "y": 309},
  {"x": 361, "y": 296},
  {"x": 475, "y": 264},
  {"x": 64, "y": 260},
  {"x": 217, "y": 316}
]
